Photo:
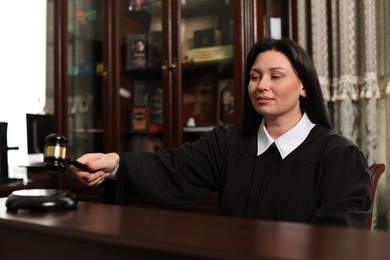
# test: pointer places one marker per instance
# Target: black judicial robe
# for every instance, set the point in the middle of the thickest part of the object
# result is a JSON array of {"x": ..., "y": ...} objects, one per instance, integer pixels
[{"x": 324, "y": 181}]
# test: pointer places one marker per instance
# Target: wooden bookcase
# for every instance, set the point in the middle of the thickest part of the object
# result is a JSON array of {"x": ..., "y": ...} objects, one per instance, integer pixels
[{"x": 201, "y": 48}]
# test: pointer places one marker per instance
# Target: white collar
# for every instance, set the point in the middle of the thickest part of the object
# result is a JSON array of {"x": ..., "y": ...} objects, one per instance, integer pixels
[{"x": 287, "y": 142}]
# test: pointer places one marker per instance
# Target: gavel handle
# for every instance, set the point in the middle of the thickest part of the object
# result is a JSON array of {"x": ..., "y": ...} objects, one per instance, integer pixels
[{"x": 78, "y": 164}]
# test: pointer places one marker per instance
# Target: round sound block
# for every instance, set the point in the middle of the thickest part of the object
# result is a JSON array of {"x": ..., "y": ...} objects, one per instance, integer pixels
[{"x": 41, "y": 199}]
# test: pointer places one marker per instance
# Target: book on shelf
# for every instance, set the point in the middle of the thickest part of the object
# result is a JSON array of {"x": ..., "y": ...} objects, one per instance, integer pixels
[
  {"x": 136, "y": 51},
  {"x": 207, "y": 38},
  {"x": 86, "y": 67},
  {"x": 140, "y": 118}
]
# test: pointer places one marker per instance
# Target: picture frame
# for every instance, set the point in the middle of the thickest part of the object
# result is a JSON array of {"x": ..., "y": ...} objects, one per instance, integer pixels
[{"x": 225, "y": 103}]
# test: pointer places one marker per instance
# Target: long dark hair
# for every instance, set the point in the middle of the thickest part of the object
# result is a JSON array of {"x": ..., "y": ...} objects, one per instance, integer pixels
[{"x": 313, "y": 104}]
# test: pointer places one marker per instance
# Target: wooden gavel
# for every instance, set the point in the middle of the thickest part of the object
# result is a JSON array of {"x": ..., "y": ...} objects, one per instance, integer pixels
[{"x": 55, "y": 158}]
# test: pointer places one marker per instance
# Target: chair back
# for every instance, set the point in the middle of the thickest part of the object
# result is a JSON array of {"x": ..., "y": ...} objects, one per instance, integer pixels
[{"x": 376, "y": 171}]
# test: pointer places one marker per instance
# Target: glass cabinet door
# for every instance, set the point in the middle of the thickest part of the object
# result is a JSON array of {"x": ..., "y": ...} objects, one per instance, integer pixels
[
  {"x": 207, "y": 66},
  {"x": 141, "y": 88},
  {"x": 85, "y": 83}
]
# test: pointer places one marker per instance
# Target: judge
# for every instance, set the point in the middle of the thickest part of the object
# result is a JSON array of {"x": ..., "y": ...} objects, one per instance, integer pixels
[{"x": 286, "y": 163}]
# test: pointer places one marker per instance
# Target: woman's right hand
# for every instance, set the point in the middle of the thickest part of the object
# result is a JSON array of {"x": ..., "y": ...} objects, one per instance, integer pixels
[{"x": 100, "y": 166}]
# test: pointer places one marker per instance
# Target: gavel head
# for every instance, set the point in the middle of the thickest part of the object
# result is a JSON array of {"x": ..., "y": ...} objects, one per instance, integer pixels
[{"x": 55, "y": 152}]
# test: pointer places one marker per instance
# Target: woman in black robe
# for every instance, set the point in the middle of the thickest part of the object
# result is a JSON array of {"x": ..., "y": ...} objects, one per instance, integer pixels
[{"x": 286, "y": 163}]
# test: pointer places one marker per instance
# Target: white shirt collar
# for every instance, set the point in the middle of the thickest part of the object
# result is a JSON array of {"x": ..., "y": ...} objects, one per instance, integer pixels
[{"x": 287, "y": 142}]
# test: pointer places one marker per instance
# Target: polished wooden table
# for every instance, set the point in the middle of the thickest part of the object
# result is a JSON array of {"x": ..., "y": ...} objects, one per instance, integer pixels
[{"x": 99, "y": 231}]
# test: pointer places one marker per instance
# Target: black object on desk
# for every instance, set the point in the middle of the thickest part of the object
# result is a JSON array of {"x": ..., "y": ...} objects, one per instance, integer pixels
[
  {"x": 55, "y": 160},
  {"x": 41, "y": 199}
]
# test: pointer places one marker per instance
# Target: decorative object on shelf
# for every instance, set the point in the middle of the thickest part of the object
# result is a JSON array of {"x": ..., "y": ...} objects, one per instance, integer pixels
[
  {"x": 155, "y": 128},
  {"x": 73, "y": 70},
  {"x": 139, "y": 5},
  {"x": 100, "y": 69},
  {"x": 209, "y": 54},
  {"x": 136, "y": 51},
  {"x": 225, "y": 104},
  {"x": 149, "y": 93},
  {"x": 199, "y": 102},
  {"x": 80, "y": 16},
  {"x": 275, "y": 27},
  {"x": 140, "y": 118},
  {"x": 207, "y": 38},
  {"x": 86, "y": 67},
  {"x": 191, "y": 122},
  {"x": 92, "y": 15},
  {"x": 153, "y": 99},
  {"x": 83, "y": 17}
]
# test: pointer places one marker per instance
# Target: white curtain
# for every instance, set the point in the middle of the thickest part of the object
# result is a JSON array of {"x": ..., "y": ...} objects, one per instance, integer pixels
[{"x": 349, "y": 43}]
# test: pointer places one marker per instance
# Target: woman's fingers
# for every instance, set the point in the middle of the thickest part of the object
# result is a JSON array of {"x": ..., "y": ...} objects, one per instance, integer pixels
[{"x": 94, "y": 178}]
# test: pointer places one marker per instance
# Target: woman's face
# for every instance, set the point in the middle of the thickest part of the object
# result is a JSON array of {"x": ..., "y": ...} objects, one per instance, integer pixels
[{"x": 274, "y": 87}]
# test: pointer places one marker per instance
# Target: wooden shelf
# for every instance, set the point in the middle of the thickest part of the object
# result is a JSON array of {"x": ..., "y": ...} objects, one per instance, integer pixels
[{"x": 197, "y": 129}]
